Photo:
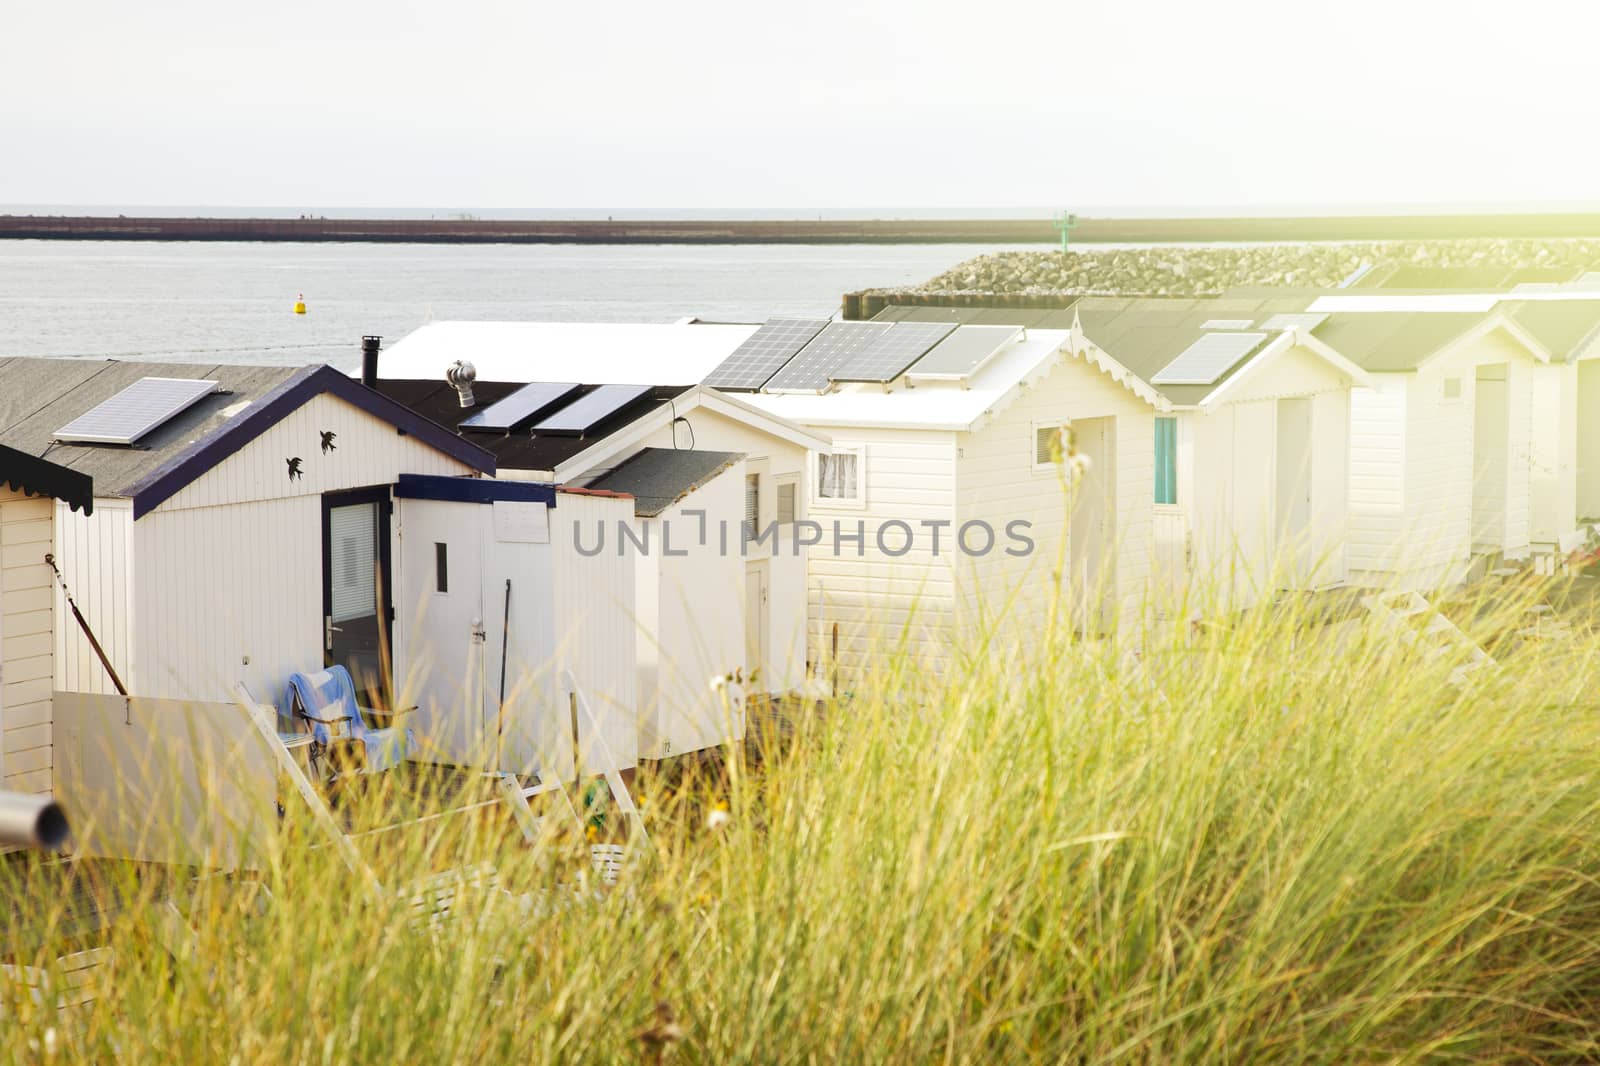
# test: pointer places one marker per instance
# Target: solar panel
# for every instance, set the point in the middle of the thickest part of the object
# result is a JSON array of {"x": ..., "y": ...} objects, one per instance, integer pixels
[
  {"x": 891, "y": 354},
  {"x": 586, "y": 412},
  {"x": 521, "y": 407},
  {"x": 812, "y": 368},
  {"x": 1208, "y": 358},
  {"x": 963, "y": 353},
  {"x": 1304, "y": 321},
  {"x": 764, "y": 353},
  {"x": 1227, "y": 323},
  {"x": 136, "y": 410}
]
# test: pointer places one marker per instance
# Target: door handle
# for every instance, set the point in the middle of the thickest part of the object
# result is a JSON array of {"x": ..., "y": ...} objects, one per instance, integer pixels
[{"x": 328, "y": 630}]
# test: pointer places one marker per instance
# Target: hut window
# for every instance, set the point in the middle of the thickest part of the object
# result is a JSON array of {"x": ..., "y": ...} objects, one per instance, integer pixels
[
  {"x": 752, "y": 503},
  {"x": 1452, "y": 388},
  {"x": 1047, "y": 445},
  {"x": 1166, "y": 460},
  {"x": 786, "y": 495},
  {"x": 441, "y": 567},
  {"x": 839, "y": 476}
]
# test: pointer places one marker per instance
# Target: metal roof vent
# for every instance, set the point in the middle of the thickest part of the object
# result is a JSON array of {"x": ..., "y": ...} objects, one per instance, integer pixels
[{"x": 461, "y": 374}]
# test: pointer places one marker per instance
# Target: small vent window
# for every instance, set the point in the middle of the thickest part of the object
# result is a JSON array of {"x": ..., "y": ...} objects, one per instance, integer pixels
[
  {"x": 1046, "y": 445},
  {"x": 441, "y": 567},
  {"x": 786, "y": 501},
  {"x": 1166, "y": 474},
  {"x": 1452, "y": 388},
  {"x": 752, "y": 503}
]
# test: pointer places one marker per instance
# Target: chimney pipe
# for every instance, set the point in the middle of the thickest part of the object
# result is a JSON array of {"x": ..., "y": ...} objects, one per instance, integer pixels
[
  {"x": 369, "y": 361},
  {"x": 31, "y": 822}
]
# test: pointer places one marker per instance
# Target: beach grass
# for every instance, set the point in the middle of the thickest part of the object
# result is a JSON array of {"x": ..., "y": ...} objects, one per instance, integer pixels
[{"x": 1272, "y": 838}]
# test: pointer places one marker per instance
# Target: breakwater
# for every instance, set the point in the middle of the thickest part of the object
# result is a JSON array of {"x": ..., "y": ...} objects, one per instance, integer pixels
[{"x": 799, "y": 231}]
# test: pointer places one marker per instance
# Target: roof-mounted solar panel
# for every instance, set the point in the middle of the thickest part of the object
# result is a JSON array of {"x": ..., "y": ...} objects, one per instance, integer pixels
[
  {"x": 812, "y": 368},
  {"x": 764, "y": 353},
  {"x": 521, "y": 407},
  {"x": 1208, "y": 358},
  {"x": 1227, "y": 323},
  {"x": 588, "y": 411},
  {"x": 889, "y": 356},
  {"x": 963, "y": 353},
  {"x": 1304, "y": 321},
  {"x": 136, "y": 410}
]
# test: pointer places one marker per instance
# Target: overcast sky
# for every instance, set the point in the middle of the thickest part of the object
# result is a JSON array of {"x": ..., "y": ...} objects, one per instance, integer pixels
[{"x": 494, "y": 103}]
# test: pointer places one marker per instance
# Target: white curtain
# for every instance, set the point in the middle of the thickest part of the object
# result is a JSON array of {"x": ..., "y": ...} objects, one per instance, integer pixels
[{"x": 836, "y": 475}]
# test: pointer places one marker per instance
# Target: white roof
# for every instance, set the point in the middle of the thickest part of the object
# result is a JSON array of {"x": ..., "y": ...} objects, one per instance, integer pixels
[
  {"x": 596, "y": 353},
  {"x": 930, "y": 406},
  {"x": 1452, "y": 301}
]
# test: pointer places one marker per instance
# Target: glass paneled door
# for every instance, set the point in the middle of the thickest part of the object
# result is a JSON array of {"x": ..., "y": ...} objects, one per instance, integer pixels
[{"x": 356, "y": 589}]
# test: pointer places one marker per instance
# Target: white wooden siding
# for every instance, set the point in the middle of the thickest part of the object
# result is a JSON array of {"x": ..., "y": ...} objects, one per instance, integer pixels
[
  {"x": 1378, "y": 448},
  {"x": 227, "y": 594},
  {"x": 95, "y": 555},
  {"x": 999, "y": 483},
  {"x": 26, "y": 642},
  {"x": 368, "y": 451},
  {"x": 881, "y": 603},
  {"x": 595, "y": 611}
]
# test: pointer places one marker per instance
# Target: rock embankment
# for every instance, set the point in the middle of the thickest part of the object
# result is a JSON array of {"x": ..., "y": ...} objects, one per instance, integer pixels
[{"x": 1200, "y": 270}]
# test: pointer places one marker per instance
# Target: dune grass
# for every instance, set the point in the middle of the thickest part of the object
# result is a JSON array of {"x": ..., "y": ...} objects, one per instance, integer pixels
[{"x": 1269, "y": 840}]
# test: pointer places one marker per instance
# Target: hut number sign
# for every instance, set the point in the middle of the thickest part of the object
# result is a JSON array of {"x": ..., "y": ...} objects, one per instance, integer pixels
[{"x": 519, "y": 522}]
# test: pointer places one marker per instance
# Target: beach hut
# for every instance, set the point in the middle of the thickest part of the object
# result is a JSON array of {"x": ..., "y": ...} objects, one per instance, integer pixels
[
  {"x": 30, "y": 488},
  {"x": 578, "y": 435},
  {"x": 242, "y": 528},
  {"x": 1465, "y": 445},
  {"x": 938, "y": 510}
]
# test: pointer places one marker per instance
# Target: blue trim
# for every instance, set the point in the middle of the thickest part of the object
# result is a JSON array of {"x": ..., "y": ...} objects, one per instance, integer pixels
[
  {"x": 40, "y": 477},
  {"x": 275, "y": 405},
  {"x": 472, "y": 489},
  {"x": 1166, "y": 472}
]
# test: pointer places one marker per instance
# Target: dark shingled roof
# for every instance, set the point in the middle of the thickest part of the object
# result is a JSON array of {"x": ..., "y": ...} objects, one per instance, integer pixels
[
  {"x": 1144, "y": 334},
  {"x": 657, "y": 478},
  {"x": 39, "y": 396},
  {"x": 435, "y": 399}
]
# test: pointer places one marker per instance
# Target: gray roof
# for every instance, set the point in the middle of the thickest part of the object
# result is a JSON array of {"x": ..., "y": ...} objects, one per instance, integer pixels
[
  {"x": 1393, "y": 341},
  {"x": 1564, "y": 327},
  {"x": 657, "y": 478},
  {"x": 39, "y": 396}
]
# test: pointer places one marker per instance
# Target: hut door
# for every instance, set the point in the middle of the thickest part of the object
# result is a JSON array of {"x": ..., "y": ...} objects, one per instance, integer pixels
[
  {"x": 1294, "y": 490},
  {"x": 357, "y": 594},
  {"x": 445, "y": 655}
]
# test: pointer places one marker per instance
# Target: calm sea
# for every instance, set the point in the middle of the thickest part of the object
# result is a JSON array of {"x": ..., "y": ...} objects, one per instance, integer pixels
[{"x": 199, "y": 302}]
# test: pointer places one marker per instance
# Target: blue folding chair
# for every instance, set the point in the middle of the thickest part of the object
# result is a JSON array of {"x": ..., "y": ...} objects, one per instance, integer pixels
[{"x": 326, "y": 701}]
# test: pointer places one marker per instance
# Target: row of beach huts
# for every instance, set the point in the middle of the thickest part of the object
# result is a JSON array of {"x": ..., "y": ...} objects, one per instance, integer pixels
[{"x": 664, "y": 527}]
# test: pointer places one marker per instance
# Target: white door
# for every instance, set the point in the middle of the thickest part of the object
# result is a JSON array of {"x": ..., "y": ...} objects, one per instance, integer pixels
[
  {"x": 1092, "y": 535},
  {"x": 755, "y": 625},
  {"x": 439, "y": 609},
  {"x": 1294, "y": 491},
  {"x": 1491, "y": 424}
]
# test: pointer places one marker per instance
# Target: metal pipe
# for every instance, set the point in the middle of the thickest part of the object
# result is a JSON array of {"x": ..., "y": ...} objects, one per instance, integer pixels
[
  {"x": 369, "y": 360},
  {"x": 31, "y": 821},
  {"x": 105, "y": 661}
]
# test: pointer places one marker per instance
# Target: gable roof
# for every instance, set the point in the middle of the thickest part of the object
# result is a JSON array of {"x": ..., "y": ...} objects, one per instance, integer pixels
[
  {"x": 657, "y": 478},
  {"x": 42, "y": 395},
  {"x": 928, "y": 407},
  {"x": 604, "y": 353},
  {"x": 1394, "y": 341},
  {"x": 22, "y": 472}
]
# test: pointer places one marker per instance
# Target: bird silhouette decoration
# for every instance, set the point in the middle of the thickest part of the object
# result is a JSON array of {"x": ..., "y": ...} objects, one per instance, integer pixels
[
  {"x": 328, "y": 437},
  {"x": 294, "y": 468}
]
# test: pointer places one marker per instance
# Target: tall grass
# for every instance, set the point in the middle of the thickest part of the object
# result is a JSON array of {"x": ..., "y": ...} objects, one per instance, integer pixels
[{"x": 1263, "y": 840}]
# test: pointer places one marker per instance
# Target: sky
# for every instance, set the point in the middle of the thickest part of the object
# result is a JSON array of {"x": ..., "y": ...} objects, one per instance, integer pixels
[{"x": 499, "y": 104}]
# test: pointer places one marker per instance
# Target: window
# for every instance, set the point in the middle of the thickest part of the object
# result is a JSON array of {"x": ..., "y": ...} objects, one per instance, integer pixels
[
  {"x": 752, "y": 504},
  {"x": 1048, "y": 446},
  {"x": 441, "y": 567},
  {"x": 1167, "y": 460},
  {"x": 839, "y": 476},
  {"x": 786, "y": 502},
  {"x": 1452, "y": 388}
]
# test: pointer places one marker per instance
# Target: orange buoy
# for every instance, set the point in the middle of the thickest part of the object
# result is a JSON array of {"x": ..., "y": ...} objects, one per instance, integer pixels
[{"x": 300, "y": 304}]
